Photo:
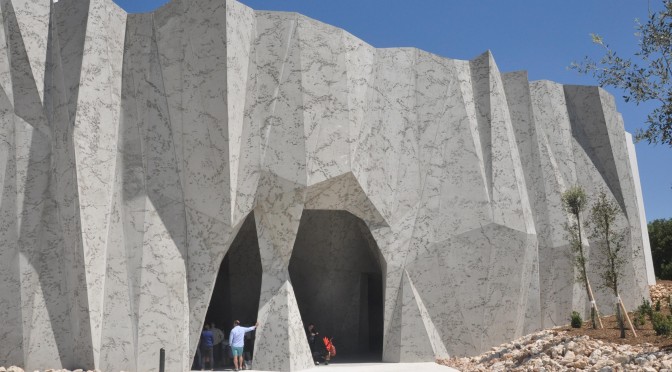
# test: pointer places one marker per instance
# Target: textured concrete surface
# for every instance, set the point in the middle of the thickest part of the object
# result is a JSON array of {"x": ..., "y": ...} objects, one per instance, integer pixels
[{"x": 134, "y": 146}]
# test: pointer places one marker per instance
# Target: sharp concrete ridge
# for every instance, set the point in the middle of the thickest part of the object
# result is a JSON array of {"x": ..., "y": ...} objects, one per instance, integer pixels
[{"x": 133, "y": 147}]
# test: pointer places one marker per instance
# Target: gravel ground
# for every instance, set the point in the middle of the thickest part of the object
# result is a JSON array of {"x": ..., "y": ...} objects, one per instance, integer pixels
[{"x": 555, "y": 350}]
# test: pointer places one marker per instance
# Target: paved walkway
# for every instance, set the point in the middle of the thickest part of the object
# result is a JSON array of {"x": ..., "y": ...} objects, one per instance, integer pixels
[
  {"x": 378, "y": 367},
  {"x": 382, "y": 367}
]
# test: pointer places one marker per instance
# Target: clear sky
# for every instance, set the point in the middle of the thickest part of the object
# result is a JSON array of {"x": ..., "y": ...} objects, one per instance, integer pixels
[{"x": 542, "y": 37}]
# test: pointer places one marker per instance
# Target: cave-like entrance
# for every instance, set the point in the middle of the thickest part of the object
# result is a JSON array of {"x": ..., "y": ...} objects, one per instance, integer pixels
[
  {"x": 337, "y": 278},
  {"x": 237, "y": 291}
]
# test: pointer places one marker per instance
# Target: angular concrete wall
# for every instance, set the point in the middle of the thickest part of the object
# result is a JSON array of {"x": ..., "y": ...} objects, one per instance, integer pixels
[{"x": 133, "y": 147}]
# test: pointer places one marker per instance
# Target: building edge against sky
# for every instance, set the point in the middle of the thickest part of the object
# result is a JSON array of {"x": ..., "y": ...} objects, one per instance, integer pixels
[
  {"x": 137, "y": 145},
  {"x": 646, "y": 244}
]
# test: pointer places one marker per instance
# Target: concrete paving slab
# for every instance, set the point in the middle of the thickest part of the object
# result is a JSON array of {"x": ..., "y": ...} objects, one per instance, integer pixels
[{"x": 378, "y": 367}]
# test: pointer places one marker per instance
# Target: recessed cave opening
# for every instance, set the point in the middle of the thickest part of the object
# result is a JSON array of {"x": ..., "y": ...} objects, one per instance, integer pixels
[
  {"x": 336, "y": 273},
  {"x": 236, "y": 293}
]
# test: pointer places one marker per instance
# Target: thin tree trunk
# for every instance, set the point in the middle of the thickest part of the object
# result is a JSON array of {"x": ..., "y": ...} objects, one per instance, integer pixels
[
  {"x": 619, "y": 318},
  {"x": 627, "y": 317},
  {"x": 593, "y": 305},
  {"x": 586, "y": 283}
]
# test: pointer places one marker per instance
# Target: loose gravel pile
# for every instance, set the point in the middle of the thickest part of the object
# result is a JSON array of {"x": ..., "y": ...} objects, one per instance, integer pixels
[
  {"x": 661, "y": 291},
  {"x": 554, "y": 350}
]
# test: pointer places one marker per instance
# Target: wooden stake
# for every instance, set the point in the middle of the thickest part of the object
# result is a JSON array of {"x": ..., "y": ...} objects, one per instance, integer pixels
[
  {"x": 593, "y": 304},
  {"x": 626, "y": 316}
]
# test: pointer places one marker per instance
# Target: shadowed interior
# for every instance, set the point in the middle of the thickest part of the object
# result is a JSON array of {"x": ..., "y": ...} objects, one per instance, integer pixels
[
  {"x": 238, "y": 286},
  {"x": 337, "y": 279}
]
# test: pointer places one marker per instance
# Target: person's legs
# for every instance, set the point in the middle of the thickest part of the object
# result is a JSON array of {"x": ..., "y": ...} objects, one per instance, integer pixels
[
  {"x": 212, "y": 358},
  {"x": 204, "y": 357},
  {"x": 237, "y": 357}
]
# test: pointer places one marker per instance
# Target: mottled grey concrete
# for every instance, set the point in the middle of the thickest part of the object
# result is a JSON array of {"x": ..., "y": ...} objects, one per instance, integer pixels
[{"x": 134, "y": 146}]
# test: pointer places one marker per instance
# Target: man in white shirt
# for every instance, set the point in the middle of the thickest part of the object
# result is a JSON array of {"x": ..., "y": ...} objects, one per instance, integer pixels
[{"x": 237, "y": 342}]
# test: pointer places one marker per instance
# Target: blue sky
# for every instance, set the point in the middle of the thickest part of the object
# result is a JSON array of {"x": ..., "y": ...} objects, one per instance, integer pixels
[{"x": 542, "y": 37}]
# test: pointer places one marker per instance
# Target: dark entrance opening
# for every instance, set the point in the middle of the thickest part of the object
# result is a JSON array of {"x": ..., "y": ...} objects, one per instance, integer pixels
[
  {"x": 337, "y": 278},
  {"x": 236, "y": 293}
]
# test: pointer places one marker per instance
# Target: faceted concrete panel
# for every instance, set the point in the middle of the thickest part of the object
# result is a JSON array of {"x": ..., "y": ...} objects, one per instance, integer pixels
[{"x": 133, "y": 148}]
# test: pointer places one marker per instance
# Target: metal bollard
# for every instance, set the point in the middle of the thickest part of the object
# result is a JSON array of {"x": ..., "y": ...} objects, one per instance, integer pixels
[{"x": 162, "y": 360}]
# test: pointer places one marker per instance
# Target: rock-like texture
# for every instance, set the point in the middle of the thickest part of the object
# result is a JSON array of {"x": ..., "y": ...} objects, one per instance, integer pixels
[
  {"x": 553, "y": 350},
  {"x": 662, "y": 292},
  {"x": 133, "y": 147}
]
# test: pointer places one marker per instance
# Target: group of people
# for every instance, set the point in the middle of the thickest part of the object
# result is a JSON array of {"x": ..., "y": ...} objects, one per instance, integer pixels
[
  {"x": 320, "y": 349},
  {"x": 211, "y": 336}
]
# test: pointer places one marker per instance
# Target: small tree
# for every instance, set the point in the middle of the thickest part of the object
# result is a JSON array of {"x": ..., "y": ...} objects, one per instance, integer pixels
[
  {"x": 603, "y": 216},
  {"x": 574, "y": 202}
]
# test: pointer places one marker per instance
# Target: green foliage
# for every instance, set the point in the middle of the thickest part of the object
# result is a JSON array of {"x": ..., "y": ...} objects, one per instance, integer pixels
[
  {"x": 660, "y": 235},
  {"x": 662, "y": 324},
  {"x": 610, "y": 239},
  {"x": 576, "y": 320},
  {"x": 666, "y": 271},
  {"x": 639, "y": 320},
  {"x": 647, "y": 76},
  {"x": 642, "y": 312},
  {"x": 574, "y": 202},
  {"x": 657, "y": 307},
  {"x": 645, "y": 308}
]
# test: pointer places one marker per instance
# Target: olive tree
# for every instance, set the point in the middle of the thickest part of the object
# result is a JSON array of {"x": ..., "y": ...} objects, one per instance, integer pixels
[
  {"x": 646, "y": 76},
  {"x": 610, "y": 240},
  {"x": 574, "y": 203}
]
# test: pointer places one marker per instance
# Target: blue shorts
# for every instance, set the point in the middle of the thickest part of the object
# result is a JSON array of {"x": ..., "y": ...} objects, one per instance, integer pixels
[{"x": 237, "y": 351}]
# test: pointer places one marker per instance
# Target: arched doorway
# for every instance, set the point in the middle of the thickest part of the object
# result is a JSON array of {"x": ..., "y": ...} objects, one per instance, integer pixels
[
  {"x": 237, "y": 290},
  {"x": 338, "y": 282}
]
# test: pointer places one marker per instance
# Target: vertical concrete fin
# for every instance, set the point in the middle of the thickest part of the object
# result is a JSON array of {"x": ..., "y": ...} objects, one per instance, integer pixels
[
  {"x": 416, "y": 344},
  {"x": 277, "y": 215},
  {"x": 440, "y": 351},
  {"x": 32, "y": 22},
  {"x": 240, "y": 34}
]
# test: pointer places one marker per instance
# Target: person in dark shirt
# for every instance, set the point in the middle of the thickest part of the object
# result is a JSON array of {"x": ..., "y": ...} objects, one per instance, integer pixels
[
  {"x": 207, "y": 342},
  {"x": 314, "y": 343}
]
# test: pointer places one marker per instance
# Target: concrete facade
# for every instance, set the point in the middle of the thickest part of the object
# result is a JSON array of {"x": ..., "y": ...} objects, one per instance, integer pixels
[{"x": 133, "y": 147}]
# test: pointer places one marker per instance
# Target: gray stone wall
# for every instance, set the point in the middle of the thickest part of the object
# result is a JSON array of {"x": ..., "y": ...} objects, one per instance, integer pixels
[{"x": 134, "y": 146}]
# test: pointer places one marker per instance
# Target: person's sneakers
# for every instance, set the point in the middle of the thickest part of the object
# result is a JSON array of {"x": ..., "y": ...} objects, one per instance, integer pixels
[
  {"x": 326, "y": 362},
  {"x": 317, "y": 363}
]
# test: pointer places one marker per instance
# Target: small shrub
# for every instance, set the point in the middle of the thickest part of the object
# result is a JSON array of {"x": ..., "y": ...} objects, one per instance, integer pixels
[
  {"x": 662, "y": 324},
  {"x": 657, "y": 307},
  {"x": 645, "y": 308},
  {"x": 576, "y": 320},
  {"x": 639, "y": 320}
]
